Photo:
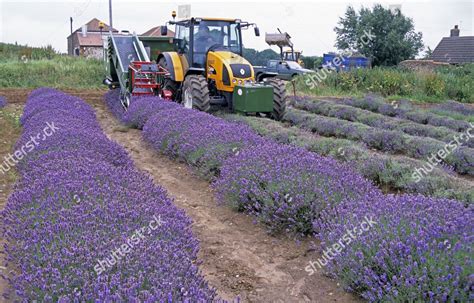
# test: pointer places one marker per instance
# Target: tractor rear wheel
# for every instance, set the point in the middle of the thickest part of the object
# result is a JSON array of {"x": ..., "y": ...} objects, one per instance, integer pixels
[
  {"x": 196, "y": 93},
  {"x": 279, "y": 98},
  {"x": 169, "y": 84}
]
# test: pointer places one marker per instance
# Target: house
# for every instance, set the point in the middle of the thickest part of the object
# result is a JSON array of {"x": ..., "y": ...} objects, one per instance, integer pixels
[
  {"x": 454, "y": 49},
  {"x": 156, "y": 32},
  {"x": 87, "y": 41}
]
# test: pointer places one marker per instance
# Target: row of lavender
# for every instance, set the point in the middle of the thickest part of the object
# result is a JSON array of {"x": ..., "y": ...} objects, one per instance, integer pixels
[
  {"x": 458, "y": 157},
  {"x": 354, "y": 114},
  {"x": 392, "y": 173},
  {"x": 405, "y": 110},
  {"x": 83, "y": 225},
  {"x": 417, "y": 250}
]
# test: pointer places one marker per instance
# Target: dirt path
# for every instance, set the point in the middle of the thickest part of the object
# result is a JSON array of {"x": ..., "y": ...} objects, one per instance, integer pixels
[
  {"x": 9, "y": 134},
  {"x": 238, "y": 257}
]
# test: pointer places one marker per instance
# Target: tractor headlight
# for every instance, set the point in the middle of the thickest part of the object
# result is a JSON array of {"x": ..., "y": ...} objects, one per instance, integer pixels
[{"x": 234, "y": 80}]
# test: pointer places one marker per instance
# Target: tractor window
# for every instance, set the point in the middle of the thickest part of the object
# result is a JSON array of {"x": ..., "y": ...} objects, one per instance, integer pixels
[
  {"x": 220, "y": 35},
  {"x": 182, "y": 38}
]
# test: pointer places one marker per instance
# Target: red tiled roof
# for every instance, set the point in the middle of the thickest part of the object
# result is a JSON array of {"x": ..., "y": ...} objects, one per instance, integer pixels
[
  {"x": 93, "y": 26},
  {"x": 156, "y": 32},
  {"x": 91, "y": 39}
]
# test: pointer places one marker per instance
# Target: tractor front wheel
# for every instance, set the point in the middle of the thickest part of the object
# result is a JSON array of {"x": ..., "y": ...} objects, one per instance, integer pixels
[
  {"x": 279, "y": 98},
  {"x": 196, "y": 93}
]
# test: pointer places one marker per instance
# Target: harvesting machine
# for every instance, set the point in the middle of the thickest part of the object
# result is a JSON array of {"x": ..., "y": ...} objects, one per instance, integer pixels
[{"x": 202, "y": 65}]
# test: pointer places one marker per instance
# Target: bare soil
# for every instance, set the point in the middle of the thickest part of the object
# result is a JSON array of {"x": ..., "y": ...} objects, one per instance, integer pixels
[{"x": 9, "y": 134}]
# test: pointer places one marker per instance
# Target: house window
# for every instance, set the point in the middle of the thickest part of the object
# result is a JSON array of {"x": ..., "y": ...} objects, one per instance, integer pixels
[{"x": 76, "y": 51}]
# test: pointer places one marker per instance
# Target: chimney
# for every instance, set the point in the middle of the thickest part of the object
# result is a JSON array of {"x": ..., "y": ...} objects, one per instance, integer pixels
[
  {"x": 455, "y": 31},
  {"x": 84, "y": 30}
]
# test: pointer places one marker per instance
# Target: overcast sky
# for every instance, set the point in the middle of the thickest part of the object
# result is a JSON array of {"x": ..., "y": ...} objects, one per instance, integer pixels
[{"x": 310, "y": 23}]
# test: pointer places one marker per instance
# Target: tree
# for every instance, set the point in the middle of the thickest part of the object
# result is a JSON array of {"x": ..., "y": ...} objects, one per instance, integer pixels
[
  {"x": 260, "y": 57},
  {"x": 384, "y": 36},
  {"x": 428, "y": 53}
]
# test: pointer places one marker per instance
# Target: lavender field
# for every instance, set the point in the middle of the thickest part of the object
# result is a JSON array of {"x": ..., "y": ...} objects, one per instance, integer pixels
[
  {"x": 419, "y": 247},
  {"x": 388, "y": 216}
]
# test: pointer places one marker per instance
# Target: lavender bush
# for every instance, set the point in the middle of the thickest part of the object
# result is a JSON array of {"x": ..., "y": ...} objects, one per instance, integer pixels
[
  {"x": 393, "y": 174},
  {"x": 349, "y": 113},
  {"x": 142, "y": 108},
  {"x": 3, "y": 102},
  {"x": 419, "y": 250},
  {"x": 79, "y": 198},
  {"x": 405, "y": 110},
  {"x": 455, "y": 107},
  {"x": 112, "y": 100},
  {"x": 200, "y": 139},
  {"x": 462, "y": 160},
  {"x": 287, "y": 187},
  {"x": 50, "y": 101}
]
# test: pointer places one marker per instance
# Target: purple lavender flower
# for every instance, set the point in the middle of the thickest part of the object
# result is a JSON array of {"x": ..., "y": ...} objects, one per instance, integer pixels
[
  {"x": 78, "y": 199},
  {"x": 3, "y": 101},
  {"x": 418, "y": 248},
  {"x": 142, "y": 108},
  {"x": 286, "y": 187}
]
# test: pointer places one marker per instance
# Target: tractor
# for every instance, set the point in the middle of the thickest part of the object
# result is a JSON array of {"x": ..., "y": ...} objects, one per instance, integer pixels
[
  {"x": 202, "y": 65},
  {"x": 207, "y": 68}
]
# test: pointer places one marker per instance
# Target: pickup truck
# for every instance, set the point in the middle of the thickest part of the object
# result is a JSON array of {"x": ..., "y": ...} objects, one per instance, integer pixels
[{"x": 284, "y": 70}]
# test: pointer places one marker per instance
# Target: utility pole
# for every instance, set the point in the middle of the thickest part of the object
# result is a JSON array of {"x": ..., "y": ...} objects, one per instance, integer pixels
[{"x": 110, "y": 13}]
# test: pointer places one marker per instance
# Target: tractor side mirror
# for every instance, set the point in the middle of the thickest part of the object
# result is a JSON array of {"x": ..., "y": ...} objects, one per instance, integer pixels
[
  {"x": 164, "y": 30},
  {"x": 257, "y": 31}
]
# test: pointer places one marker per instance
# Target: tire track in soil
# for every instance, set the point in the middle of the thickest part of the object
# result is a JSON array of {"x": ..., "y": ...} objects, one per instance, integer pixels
[{"x": 237, "y": 257}]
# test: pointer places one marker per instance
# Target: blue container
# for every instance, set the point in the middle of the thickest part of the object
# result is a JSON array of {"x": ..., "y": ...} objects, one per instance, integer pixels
[{"x": 346, "y": 63}]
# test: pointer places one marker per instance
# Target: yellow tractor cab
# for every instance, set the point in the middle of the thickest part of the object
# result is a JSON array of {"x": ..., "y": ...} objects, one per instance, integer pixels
[{"x": 207, "y": 68}]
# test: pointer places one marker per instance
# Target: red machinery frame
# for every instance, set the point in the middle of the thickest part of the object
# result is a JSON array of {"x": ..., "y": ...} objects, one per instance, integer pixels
[{"x": 144, "y": 77}]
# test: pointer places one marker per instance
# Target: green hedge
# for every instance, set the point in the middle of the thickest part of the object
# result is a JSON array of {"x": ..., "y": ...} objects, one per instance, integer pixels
[{"x": 454, "y": 82}]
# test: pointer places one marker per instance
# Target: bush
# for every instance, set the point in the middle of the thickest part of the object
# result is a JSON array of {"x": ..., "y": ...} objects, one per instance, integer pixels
[
  {"x": 405, "y": 110},
  {"x": 112, "y": 100},
  {"x": 442, "y": 84},
  {"x": 418, "y": 250},
  {"x": 286, "y": 187},
  {"x": 59, "y": 72},
  {"x": 393, "y": 174},
  {"x": 3, "y": 102},
  {"x": 142, "y": 108},
  {"x": 462, "y": 160},
  {"x": 78, "y": 198},
  {"x": 376, "y": 120},
  {"x": 200, "y": 139}
]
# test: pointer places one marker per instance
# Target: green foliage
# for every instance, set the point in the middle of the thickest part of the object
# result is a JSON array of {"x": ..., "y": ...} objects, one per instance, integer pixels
[
  {"x": 312, "y": 62},
  {"x": 24, "y": 53},
  {"x": 32, "y": 67},
  {"x": 393, "y": 38},
  {"x": 260, "y": 57},
  {"x": 452, "y": 82},
  {"x": 62, "y": 72}
]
